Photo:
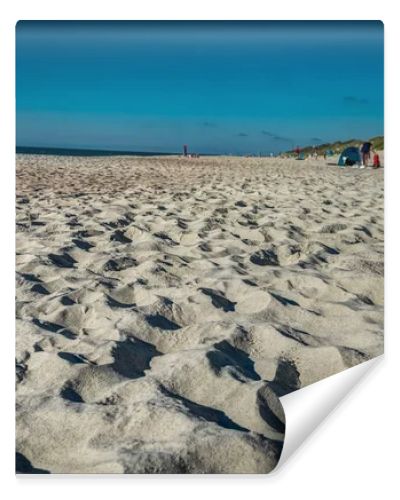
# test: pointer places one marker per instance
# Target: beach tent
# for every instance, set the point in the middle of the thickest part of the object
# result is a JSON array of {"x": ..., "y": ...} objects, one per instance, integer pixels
[{"x": 349, "y": 156}]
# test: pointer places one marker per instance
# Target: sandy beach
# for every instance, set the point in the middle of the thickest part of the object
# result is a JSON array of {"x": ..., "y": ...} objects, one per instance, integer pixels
[{"x": 165, "y": 303}]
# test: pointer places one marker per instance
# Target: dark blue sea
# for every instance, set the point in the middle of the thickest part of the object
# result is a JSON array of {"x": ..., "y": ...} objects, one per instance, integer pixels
[{"x": 85, "y": 152}]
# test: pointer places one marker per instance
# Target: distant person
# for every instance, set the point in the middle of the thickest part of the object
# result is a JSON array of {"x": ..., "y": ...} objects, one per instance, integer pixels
[
  {"x": 297, "y": 151},
  {"x": 365, "y": 154},
  {"x": 376, "y": 160}
]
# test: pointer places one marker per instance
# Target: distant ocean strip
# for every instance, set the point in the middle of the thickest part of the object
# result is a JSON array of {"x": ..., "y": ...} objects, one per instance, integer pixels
[{"x": 84, "y": 152}]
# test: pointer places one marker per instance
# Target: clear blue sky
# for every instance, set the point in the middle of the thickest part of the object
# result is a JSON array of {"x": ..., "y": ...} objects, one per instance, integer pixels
[{"x": 240, "y": 87}]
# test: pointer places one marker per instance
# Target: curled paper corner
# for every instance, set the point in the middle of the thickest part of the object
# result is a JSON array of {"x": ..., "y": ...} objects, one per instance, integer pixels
[{"x": 305, "y": 409}]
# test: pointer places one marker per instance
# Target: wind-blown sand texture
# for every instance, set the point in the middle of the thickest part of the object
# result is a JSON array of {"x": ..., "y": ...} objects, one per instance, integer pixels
[{"x": 163, "y": 304}]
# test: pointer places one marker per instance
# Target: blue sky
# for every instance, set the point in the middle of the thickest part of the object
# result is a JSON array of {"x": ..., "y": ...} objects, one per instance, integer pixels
[{"x": 220, "y": 87}]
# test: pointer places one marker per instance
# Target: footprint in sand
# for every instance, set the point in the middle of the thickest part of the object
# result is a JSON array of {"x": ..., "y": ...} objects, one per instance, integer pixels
[{"x": 264, "y": 258}]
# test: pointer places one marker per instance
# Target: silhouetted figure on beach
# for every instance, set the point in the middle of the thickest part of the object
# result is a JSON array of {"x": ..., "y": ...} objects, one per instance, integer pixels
[{"x": 365, "y": 153}]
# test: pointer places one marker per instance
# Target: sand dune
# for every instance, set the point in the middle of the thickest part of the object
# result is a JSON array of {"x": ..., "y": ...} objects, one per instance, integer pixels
[{"x": 164, "y": 304}]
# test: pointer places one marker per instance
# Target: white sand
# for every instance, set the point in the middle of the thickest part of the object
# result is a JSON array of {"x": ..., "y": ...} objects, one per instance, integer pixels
[{"x": 164, "y": 303}]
